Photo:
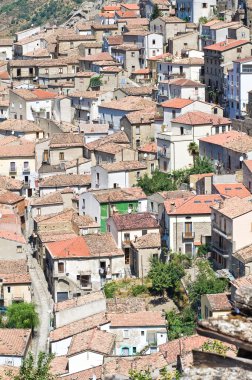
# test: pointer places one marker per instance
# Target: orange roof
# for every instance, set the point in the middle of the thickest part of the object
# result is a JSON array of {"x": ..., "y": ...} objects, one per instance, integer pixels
[
  {"x": 177, "y": 103},
  {"x": 212, "y": 22},
  {"x": 111, "y": 8},
  {"x": 4, "y": 75},
  {"x": 226, "y": 45},
  {"x": 127, "y": 14},
  {"x": 232, "y": 190},
  {"x": 149, "y": 148},
  {"x": 248, "y": 163},
  {"x": 222, "y": 138},
  {"x": 42, "y": 94},
  {"x": 131, "y": 7},
  {"x": 107, "y": 14},
  {"x": 200, "y": 118},
  {"x": 141, "y": 71},
  {"x": 71, "y": 248},
  {"x": 198, "y": 204},
  {"x": 159, "y": 57}
]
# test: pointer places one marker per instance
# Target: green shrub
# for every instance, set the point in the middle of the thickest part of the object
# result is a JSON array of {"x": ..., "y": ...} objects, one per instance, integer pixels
[
  {"x": 138, "y": 289},
  {"x": 110, "y": 289}
]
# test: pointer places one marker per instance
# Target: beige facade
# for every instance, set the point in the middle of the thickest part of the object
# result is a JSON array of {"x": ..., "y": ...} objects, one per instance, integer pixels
[
  {"x": 168, "y": 29},
  {"x": 183, "y": 41},
  {"x": 129, "y": 57},
  {"x": 140, "y": 260},
  {"x": 15, "y": 293},
  {"x": 125, "y": 154},
  {"x": 138, "y": 133},
  {"x": 58, "y": 155},
  {"x": 208, "y": 311}
]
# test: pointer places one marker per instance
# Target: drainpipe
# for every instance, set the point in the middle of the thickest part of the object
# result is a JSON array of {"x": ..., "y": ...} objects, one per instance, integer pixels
[{"x": 176, "y": 233}]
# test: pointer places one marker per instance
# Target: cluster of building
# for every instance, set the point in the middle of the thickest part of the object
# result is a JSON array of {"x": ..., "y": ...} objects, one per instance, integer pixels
[{"x": 86, "y": 111}]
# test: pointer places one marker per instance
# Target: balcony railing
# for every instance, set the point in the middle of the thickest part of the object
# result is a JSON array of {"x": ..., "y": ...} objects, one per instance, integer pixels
[
  {"x": 166, "y": 154},
  {"x": 26, "y": 169},
  {"x": 13, "y": 171},
  {"x": 222, "y": 251},
  {"x": 219, "y": 231},
  {"x": 188, "y": 235}
]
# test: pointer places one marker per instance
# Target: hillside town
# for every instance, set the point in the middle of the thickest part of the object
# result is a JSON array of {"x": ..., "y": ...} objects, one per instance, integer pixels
[{"x": 126, "y": 194}]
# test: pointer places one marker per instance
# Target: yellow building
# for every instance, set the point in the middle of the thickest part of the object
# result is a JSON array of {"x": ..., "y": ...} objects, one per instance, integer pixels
[{"x": 215, "y": 305}]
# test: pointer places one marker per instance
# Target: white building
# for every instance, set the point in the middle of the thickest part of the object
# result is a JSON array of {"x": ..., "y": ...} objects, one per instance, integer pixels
[
  {"x": 6, "y": 49},
  {"x": 181, "y": 88},
  {"x": 189, "y": 68},
  {"x": 31, "y": 104},
  {"x": 190, "y": 127},
  {"x": 193, "y": 10},
  {"x": 15, "y": 344},
  {"x": 238, "y": 85},
  {"x": 137, "y": 331}
]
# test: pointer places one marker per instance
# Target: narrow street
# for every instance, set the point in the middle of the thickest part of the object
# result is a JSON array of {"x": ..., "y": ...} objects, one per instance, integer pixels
[{"x": 44, "y": 305}]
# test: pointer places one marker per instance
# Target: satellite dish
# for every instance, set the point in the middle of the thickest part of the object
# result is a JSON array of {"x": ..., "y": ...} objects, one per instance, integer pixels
[
  {"x": 122, "y": 128},
  {"x": 145, "y": 155},
  {"x": 12, "y": 132},
  {"x": 241, "y": 158},
  {"x": 191, "y": 185}
]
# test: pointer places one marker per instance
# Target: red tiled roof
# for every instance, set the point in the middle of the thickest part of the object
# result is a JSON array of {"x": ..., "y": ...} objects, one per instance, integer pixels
[
  {"x": 92, "y": 340},
  {"x": 130, "y": 6},
  {"x": 226, "y": 45},
  {"x": 222, "y": 138},
  {"x": 141, "y": 71},
  {"x": 111, "y": 8},
  {"x": 177, "y": 103},
  {"x": 141, "y": 318},
  {"x": 199, "y": 118},
  {"x": 232, "y": 190},
  {"x": 75, "y": 247},
  {"x": 135, "y": 221},
  {"x": 4, "y": 75},
  {"x": 199, "y": 204},
  {"x": 148, "y": 148},
  {"x": 7, "y": 235},
  {"x": 248, "y": 163},
  {"x": 42, "y": 94},
  {"x": 220, "y": 301},
  {"x": 126, "y": 14}
]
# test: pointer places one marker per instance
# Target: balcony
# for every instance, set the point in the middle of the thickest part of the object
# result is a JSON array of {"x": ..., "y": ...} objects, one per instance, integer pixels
[
  {"x": 220, "y": 250},
  {"x": 163, "y": 154},
  {"x": 188, "y": 235},
  {"x": 12, "y": 171},
  {"x": 26, "y": 169},
  {"x": 219, "y": 231}
]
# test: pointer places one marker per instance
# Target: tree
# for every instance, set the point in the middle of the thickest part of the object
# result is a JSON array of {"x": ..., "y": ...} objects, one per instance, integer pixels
[
  {"x": 215, "y": 347},
  {"x": 203, "y": 20},
  {"x": 140, "y": 375},
  {"x": 202, "y": 165},
  {"x": 158, "y": 182},
  {"x": 193, "y": 150},
  {"x": 22, "y": 315},
  {"x": 155, "y": 13},
  {"x": 206, "y": 283},
  {"x": 169, "y": 375},
  {"x": 181, "y": 324},
  {"x": 165, "y": 276},
  {"x": 30, "y": 370}
]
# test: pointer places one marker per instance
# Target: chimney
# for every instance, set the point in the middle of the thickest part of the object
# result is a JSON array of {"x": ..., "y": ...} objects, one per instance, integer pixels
[
  {"x": 173, "y": 206},
  {"x": 221, "y": 204}
]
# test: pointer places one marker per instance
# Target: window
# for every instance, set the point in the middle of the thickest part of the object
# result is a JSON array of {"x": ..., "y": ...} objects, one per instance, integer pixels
[
  {"x": 12, "y": 167},
  {"x": 18, "y": 72},
  {"x": 85, "y": 281},
  {"x": 155, "y": 256},
  {"x": 133, "y": 68},
  {"x": 46, "y": 71},
  {"x": 181, "y": 130},
  {"x": 173, "y": 114},
  {"x": 97, "y": 179},
  {"x": 165, "y": 166},
  {"x": 26, "y": 165},
  {"x": 188, "y": 249},
  {"x": 153, "y": 42},
  {"x": 61, "y": 156},
  {"x": 239, "y": 50},
  {"x": 138, "y": 175},
  {"x": 134, "y": 350},
  {"x": 152, "y": 168},
  {"x": 144, "y": 232},
  {"x": 71, "y": 45},
  {"x": 142, "y": 333},
  {"x": 204, "y": 5},
  {"x": 38, "y": 211},
  {"x": 60, "y": 267},
  {"x": 45, "y": 156},
  {"x": 9, "y": 289},
  {"x": 138, "y": 142},
  {"x": 137, "y": 130},
  {"x": 132, "y": 54},
  {"x": 153, "y": 53},
  {"x": 126, "y": 334},
  {"x": 19, "y": 249},
  {"x": 30, "y": 70},
  {"x": 60, "y": 70}
]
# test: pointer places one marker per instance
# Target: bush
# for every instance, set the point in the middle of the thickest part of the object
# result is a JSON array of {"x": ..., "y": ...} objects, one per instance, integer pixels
[
  {"x": 110, "y": 289},
  {"x": 138, "y": 289}
]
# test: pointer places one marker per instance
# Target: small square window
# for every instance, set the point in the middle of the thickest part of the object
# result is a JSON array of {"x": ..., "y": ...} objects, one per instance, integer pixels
[
  {"x": 142, "y": 333},
  {"x": 134, "y": 350}
]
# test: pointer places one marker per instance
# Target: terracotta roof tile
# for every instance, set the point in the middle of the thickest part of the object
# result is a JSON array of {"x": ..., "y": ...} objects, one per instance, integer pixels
[
  {"x": 226, "y": 45},
  {"x": 177, "y": 103},
  {"x": 126, "y": 166},
  {"x": 19, "y": 125},
  {"x": 111, "y": 7},
  {"x": 110, "y": 147},
  {"x": 91, "y": 341},
  {"x": 13, "y": 266},
  {"x": 181, "y": 82},
  {"x": 78, "y": 301},
  {"x": 138, "y": 319},
  {"x": 12, "y": 236},
  {"x": 14, "y": 342},
  {"x": 9, "y": 183},
  {"x": 150, "y": 240},
  {"x": 198, "y": 204},
  {"x": 94, "y": 128},
  {"x": 234, "y": 207},
  {"x": 9, "y": 197},
  {"x": 59, "y": 365},
  {"x": 141, "y": 117},
  {"x": 68, "y": 249},
  {"x": 62, "y": 180},
  {"x": 117, "y": 137},
  {"x": 102, "y": 245},
  {"x": 79, "y": 326},
  {"x": 136, "y": 221},
  {"x": 115, "y": 40},
  {"x": 130, "y": 6},
  {"x": 22, "y": 149},
  {"x": 14, "y": 278},
  {"x": 219, "y": 302},
  {"x": 8, "y": 372},
  {"x": 244, "y": 254},
  {"x": 85, "y": 375},
  {"x": 126, "y": 14},
  {"x": 36, "y": 94},
  {"x": 148, "y": 148},
  {"x": 59, "y": 140},
  {"x": 104, "y": 56},
  {"x": 129, "y": 103},
  {"x": 138, "y": 91},
  {"x": 52, "y": 198},
  {"x": 243, "y": 281},
  {"x": 222, "y": 138},
  {"x": 232, "y": 190},
  {"x": 141, "y": 71},
  {"x": 199, "y": 118},
  {"x": 119, "y": 195}
]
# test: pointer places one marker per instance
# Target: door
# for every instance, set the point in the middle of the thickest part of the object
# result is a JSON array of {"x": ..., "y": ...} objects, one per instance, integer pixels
[
  {"x": 188, "y": 229},
  {"x": 125, "y": 351},
  {"x": 127, "y": 256}
]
